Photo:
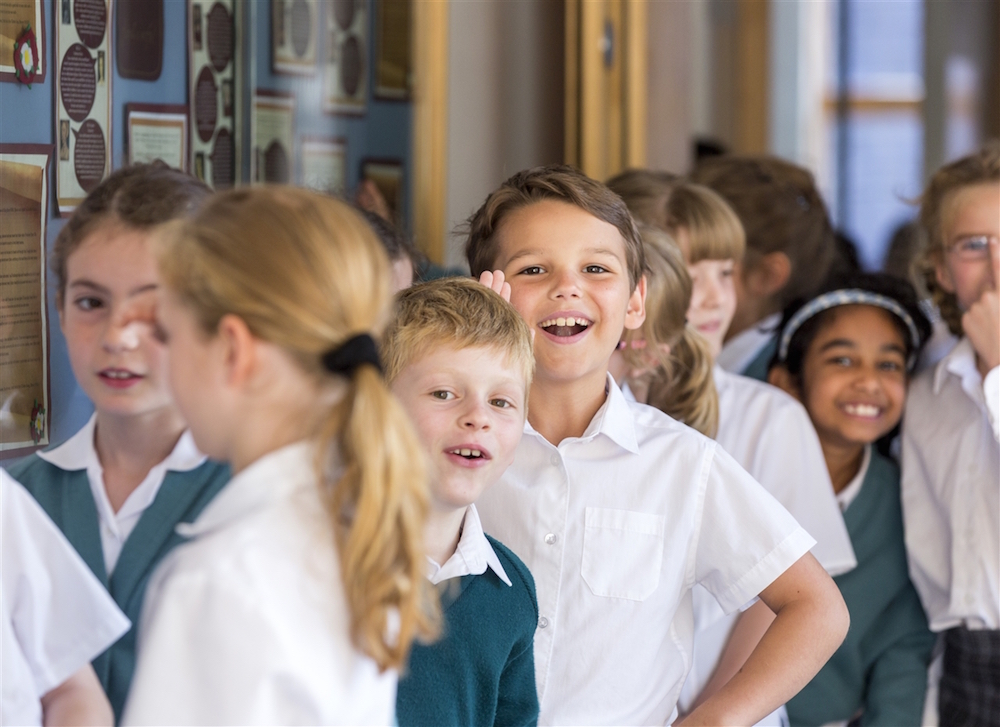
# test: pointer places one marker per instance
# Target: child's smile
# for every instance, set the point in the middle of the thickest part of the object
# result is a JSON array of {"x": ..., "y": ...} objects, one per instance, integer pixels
[
  {"x": 569, "y": 280},
  {"x": 854, "y": 376}
]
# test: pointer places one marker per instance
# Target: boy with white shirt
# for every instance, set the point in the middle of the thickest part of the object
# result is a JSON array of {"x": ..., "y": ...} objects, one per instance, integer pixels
[
  {"x": 617, "y": 509},
  {"x": 459, "y": 359}
]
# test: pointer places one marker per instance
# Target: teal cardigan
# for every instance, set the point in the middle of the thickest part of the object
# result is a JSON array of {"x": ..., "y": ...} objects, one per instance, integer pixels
[
  {"x": 757, "y": 369},
  {"x": 482, "y": 670},
  {"x": 881, "y": 668},
  {"x": 66, "y": 497}
]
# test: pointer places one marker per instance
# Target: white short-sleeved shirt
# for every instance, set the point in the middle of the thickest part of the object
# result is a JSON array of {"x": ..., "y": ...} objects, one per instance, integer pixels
[
  {"x": 769, "y": 434},
  {"x": 951, "y": 491},
  {"x": 56, "y": 615},
  {"x": 472, "y": 556},
  {"x": 740, "y": 350},
  {"x": 79, "y": 453},
  {"x": 616, "y": 527},
  {"x": 248, "y": 623}
]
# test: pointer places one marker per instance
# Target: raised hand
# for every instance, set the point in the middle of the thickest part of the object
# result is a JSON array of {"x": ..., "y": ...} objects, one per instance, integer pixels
[{"x": 495, "y": 282}]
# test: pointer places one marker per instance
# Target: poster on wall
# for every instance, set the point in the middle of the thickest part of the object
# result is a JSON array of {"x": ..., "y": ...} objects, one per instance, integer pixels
[
  {"x": 83, "y": 99},
  {"x": 24, "y": 356},
  {"x": 273, "y": 137},
  {"x": 294, "y": 36},
  {"x": 157, "y": 131},
  {"x": 324, "y": 165},
  {"x": 393, "y": 62},
  {"x": 214, "y": 88},
  {"x": 345, "y": 73},
  {"x": 22, "y": 30}
]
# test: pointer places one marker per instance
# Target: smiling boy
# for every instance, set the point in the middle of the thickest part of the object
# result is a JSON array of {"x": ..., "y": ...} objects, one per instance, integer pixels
[
  {"x": 617, "y": 509},
  {"x": 459, "y": 359}
]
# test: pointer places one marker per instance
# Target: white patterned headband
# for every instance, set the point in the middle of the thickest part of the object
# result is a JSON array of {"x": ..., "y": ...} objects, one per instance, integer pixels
[{"x": 851, "y": 296}]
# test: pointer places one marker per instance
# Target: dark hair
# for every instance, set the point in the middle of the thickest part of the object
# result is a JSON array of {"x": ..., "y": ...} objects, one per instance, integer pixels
[
  {"x": 139, "y": 197},
  {"x": 781, "y": 211},
  {"x": 882, "y": 284},
  {"x": 555, "y": 182},
  {"x": 396, "y": 243}
]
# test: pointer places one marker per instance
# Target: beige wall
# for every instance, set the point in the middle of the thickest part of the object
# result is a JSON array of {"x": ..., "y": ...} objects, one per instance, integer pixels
[
  {"x": 673, "y": 33},
  {"x": 505, "y": 98}
]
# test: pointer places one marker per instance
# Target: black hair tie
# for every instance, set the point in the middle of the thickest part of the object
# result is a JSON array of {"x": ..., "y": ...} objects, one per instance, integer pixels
[{"x": 355, "y": 351}]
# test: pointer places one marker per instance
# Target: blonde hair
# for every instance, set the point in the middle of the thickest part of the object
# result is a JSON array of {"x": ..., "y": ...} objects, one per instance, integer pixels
[
  {"x": 683, "y": 385},
  {"x": 456, "y": 312},
  {"x": 306, "y": 273},
  {"x": 713, "y": 230},
  {"x": 936, "y": 204}
]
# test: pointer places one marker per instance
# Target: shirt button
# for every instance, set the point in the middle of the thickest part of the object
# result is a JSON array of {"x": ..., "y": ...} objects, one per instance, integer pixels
[
  {"x": 551, "y": 539},
  {"x": 554, "y": 460},
  {"x": 543, "y": 623}
]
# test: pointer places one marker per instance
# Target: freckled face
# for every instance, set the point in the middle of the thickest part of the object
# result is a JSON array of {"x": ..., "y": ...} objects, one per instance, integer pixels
[
  {"x": 568, "y": 274},
  {"x": 107, "y": 318},
  {"x": 468, "y": 406},
  {"x": 854, "y": 376}
]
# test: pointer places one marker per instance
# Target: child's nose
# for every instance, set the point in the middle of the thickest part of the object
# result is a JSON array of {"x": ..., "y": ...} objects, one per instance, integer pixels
[
  {"x": 475, "y": 417},
  {"x": 128, "y": 325},
  {"x": 567, "y": 284}
]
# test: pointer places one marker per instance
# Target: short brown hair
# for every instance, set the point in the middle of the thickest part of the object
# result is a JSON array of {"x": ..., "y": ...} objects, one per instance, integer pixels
[
  {"x": 140, "y": 197},
  {"x": 983, "y": 167},
  {"x": 555, "y": 182},
  {"x": 456, "y": 312},
  {"x": 781, "y": 211}
]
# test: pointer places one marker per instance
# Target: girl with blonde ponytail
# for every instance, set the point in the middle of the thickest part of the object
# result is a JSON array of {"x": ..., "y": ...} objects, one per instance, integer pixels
[
  {"x": 765, "y": 430},
  {"x": 302, "y": 586}
]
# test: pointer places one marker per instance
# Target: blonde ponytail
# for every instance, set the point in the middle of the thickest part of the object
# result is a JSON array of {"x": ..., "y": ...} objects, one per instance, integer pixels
[
  {"x": 685, "y": 387},
  {"x": 682, "y": 384},
  {"x": 306, "y": 273}
]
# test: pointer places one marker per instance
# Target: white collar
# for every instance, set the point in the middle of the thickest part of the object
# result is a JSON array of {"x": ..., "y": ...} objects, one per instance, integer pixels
[
  {"x": 961, "y": 362},
  {"x": 79, "y": 452},
  {"x": 846, "y": 496},
  {"x": 473, "y": 555},
  {"x": 271, "y": 479},
  {"x": 614, "y": 420},
  {"x": 740, "y": 350}
]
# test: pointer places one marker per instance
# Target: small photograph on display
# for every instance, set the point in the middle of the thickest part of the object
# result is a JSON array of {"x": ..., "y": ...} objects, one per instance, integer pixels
[{"x": 196, "y": 27}]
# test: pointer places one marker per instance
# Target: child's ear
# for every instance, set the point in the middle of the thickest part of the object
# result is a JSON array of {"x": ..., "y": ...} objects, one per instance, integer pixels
[
  {"x": 237, "y": 347},
  {"x": 768, "y": 275},
  {"x": 779, "y": 376},
  {"x": 635, "y": 314}
]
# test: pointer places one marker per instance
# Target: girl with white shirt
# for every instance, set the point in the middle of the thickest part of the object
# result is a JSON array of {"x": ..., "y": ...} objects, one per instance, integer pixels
[
  {"x": 118, "y": 486},
  {"x": 302, "y": 585},
  {"x": 764, "y": 429},
  {"x": 950, "y": 449}
]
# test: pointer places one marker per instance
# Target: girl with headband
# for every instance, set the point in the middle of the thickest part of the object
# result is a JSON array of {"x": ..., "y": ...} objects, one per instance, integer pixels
[
  {"x": 847, "y": 356},
  {"x": 303, "y": 585}
]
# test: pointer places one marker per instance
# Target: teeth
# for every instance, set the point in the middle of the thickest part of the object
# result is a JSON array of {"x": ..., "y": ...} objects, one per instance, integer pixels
[
  {"x": 467, "y": 452},
  {"x": 476, "y": 453},
  {"x": 570, "y": 321},
  {"x": 862, "y": 410},
  {"x": 118, "y": 374}
]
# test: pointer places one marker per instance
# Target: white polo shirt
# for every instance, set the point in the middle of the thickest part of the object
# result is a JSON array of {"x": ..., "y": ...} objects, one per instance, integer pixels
[
  {"x": 951, "y": 491},
  {"x": 616, "y": 527},
  {"x": 56, "y": 616},
  {"x": 80, "y": 453}
]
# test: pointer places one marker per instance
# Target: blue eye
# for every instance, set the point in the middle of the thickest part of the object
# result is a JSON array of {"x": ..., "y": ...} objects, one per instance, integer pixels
[{"x": 973, "y": 247}]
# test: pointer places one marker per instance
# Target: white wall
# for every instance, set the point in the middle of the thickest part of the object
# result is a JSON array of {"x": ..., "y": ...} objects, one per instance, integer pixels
[{"x": 505, "y": 109}]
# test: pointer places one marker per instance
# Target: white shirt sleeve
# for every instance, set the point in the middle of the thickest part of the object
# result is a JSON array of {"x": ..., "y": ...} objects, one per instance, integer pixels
[
  {"x": 747, "y": 538},
  {"x": 991, "y": 390},
  {"x": 57, "y": 615}
]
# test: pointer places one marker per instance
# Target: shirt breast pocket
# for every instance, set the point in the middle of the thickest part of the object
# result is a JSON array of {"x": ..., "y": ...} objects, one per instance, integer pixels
[{"x": 622, "y": 552}]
